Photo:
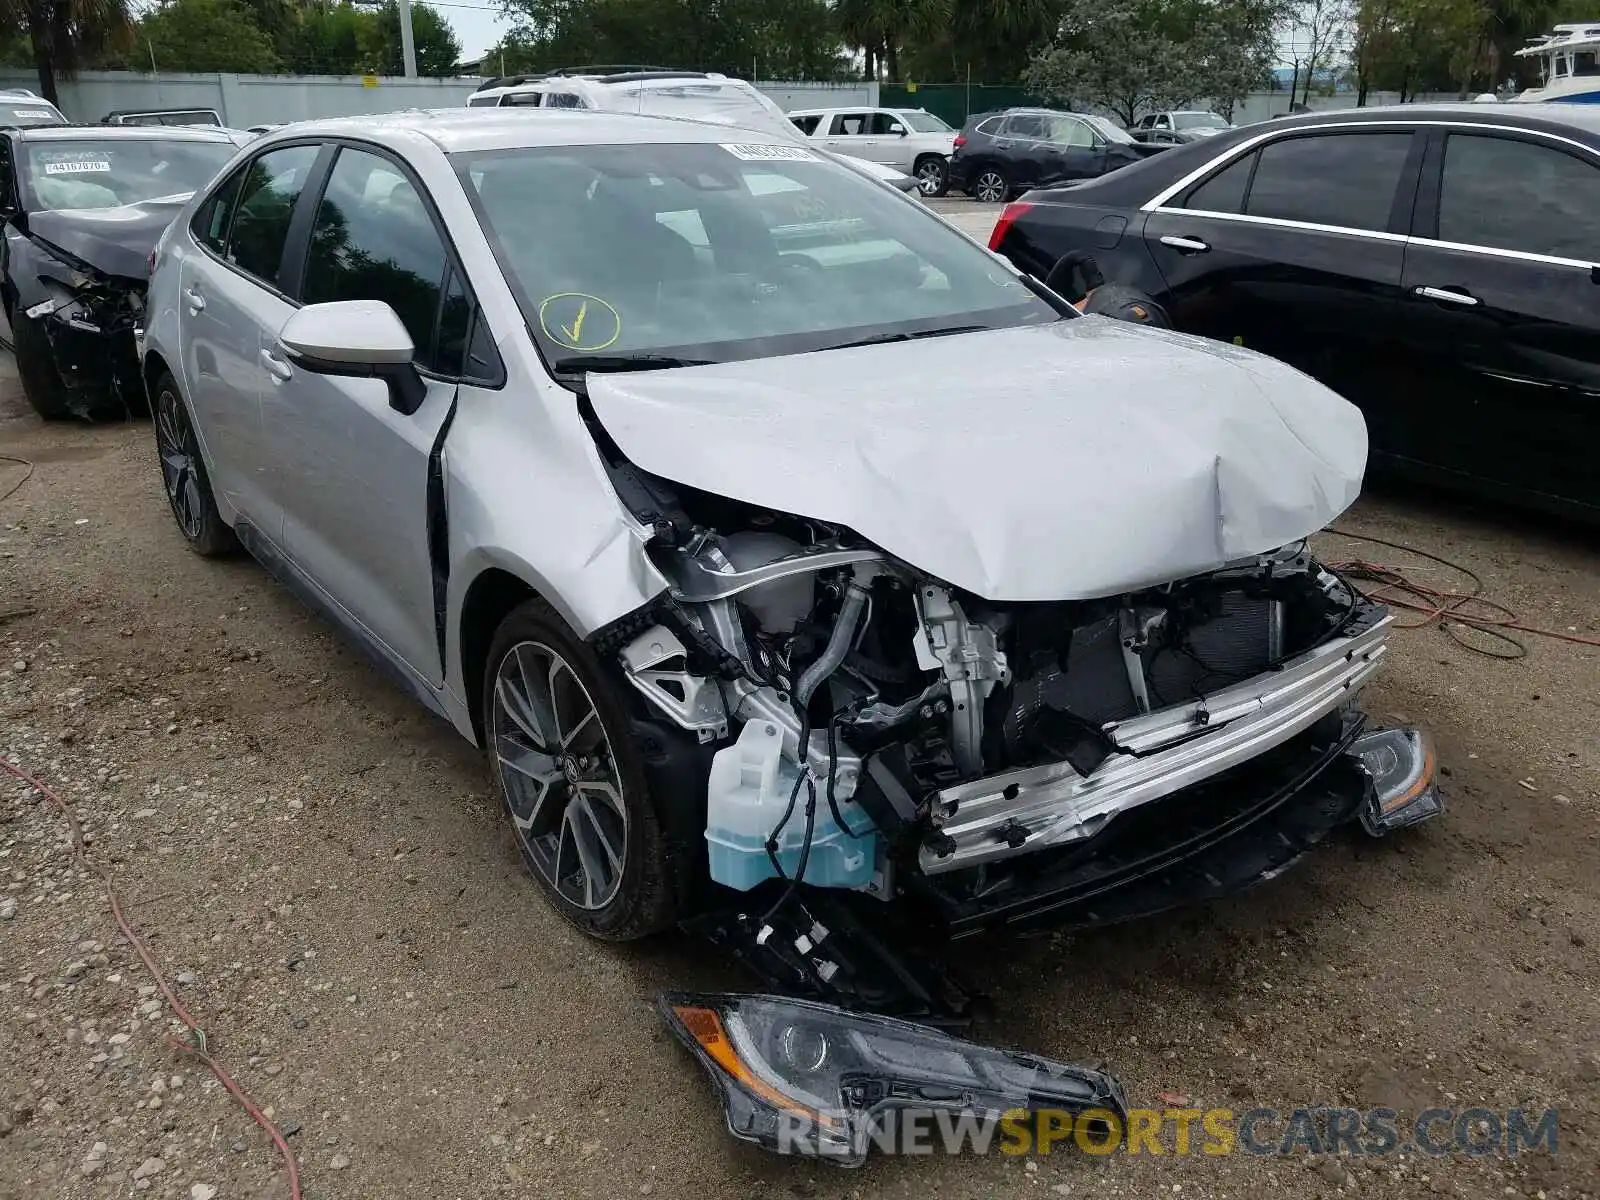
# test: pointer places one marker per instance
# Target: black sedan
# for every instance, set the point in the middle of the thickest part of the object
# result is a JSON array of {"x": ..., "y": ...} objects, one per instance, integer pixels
[
  {"x": 82, "y": 208},
  {"x": 1438, "y": 265},
  {"x": 1002, "y": 153}
]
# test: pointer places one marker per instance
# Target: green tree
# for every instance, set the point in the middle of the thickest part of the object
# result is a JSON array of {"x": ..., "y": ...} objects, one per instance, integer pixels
[
  {"x": 65, "y": 36},
  {"x": 1129, "y": 55},
  {"x": 328, "y": 39},
  {"x": 989, "y": 40},
  {"x": 437, "y": 49},
  {"x": 204, "y": 35},
  {"x": 769, "y": 38}
]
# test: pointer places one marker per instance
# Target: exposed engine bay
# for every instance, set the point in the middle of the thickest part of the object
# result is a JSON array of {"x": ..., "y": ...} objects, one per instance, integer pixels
[{"x": 880, "y": 734}]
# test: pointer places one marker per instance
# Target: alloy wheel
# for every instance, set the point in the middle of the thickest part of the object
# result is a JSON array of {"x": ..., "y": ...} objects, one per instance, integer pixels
[
  {"x": 559, "y": 775},
  {"x": 990, "y": 187},
  {"x": 930, "y": 177},
  {"x": 175, "y": 443}
]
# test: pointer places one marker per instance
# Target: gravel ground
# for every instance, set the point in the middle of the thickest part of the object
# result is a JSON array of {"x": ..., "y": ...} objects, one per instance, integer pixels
[{"x": 320, "y": 866}]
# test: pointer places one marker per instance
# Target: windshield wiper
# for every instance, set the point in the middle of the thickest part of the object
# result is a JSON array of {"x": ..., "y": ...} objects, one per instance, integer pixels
[
  {"x": 878, "y": 339},
  {"x": 575, "y": 363}
]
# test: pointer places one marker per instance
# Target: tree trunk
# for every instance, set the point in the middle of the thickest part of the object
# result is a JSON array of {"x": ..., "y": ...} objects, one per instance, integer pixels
[
  {"x": 869, "y": 67},
  {"x": 43, "y": 59},
  {"x": 1361, "y": 89},
  {"x": 891, "y": 60}
]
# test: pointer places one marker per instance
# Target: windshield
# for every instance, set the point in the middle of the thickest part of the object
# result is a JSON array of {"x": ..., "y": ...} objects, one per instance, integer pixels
[
  {"x": 1198, "y": 120},
  {"x": 1110, "y": 130},
  {"x": 713, "y": 253},
  {"x": 110, "y": 172},
  {"x": 924, "y": 122},
  {"x": 721, "y": 103},
  {"x": 22, "y": 113}
]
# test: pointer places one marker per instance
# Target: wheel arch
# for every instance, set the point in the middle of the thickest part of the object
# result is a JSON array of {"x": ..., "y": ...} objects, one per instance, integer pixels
[
  {"x": 491, "y": 595},
  {"x": 149, "y": 370}
]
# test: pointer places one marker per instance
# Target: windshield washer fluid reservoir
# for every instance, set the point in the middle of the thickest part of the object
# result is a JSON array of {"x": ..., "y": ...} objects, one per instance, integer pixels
[{"x": 748, "y": 791}]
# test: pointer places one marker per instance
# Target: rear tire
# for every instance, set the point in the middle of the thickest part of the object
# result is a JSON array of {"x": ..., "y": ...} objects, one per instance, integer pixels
[
  {"x": 990, "y": 186},
  {"x": 932, "y": 174},
  {"x": 572, "y": 779},
  {"x": 36, "y": 366},
  {"x": 183, "y": 474}
]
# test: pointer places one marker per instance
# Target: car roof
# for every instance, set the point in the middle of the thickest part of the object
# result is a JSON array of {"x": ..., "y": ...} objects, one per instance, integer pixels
[
  {"x": 1579, "y": 116},
  {"x": 463, "y": 129},
  {"x": 156, "y": 112},
  {"x": 136, "y": 133}
]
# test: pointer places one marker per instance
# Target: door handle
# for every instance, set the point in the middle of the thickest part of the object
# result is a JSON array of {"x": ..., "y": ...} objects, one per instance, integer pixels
[
  {"x": 276, "y": 367},
  {"x": 197, "y": 302},
  {"x": 1448, "y": 295},
  {"x": 1185, "y": 245}
]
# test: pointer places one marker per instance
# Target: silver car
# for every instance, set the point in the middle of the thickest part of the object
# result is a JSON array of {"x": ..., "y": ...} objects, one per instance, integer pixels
[{"x": 799, "y": 565}]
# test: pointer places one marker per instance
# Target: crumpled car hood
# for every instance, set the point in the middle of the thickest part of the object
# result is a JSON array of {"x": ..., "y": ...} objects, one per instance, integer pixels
[
  {"x": 117, "y": 240},
  {"x": 1059, "y": 462}
]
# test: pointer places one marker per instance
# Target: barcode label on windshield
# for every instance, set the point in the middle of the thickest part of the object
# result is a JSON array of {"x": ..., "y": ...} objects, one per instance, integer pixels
[
  {"x": 80, "y": 166},
  {"x": 771, "y": 153}
]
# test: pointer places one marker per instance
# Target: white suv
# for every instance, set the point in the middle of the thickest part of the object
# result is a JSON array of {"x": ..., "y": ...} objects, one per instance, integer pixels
[
  {"x": 909, "y": 139},
  {"x": 662, "y": 92}
]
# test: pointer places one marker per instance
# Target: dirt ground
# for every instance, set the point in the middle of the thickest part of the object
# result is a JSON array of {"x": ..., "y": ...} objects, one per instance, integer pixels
[{"x": 321, "y": 866}]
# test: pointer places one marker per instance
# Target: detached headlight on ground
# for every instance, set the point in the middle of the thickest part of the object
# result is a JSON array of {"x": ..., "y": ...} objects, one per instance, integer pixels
[
  {"x": 810, "y": 1079},
  {"x": 1405, "y": 787}
]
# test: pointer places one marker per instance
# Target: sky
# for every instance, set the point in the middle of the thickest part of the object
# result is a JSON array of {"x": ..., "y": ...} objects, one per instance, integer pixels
[{"x": 477, "y": 24}]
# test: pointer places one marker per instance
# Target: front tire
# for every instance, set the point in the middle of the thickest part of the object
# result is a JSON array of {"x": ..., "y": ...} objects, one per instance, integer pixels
[
  {"x": 36, "y": 366},
  {"x": 183, "y": 475},
  {"x": 572, "y": 780},
  {"x": 932, "y": 175},
  {"x": 990, "y": 186}
]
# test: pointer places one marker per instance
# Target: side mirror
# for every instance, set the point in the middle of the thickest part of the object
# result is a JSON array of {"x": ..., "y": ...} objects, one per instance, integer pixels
[
  {"x": 361, "y": 339},
  {"x": 898, "y": 130}
]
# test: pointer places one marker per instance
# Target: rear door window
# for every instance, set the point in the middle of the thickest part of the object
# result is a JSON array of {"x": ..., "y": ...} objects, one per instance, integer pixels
[
  {"x": 1516, "y": 195},
  {"x": 1029, "y": 126},
  {"x": 260, "y": 225},
  {"x": 1344, "y": 179}
]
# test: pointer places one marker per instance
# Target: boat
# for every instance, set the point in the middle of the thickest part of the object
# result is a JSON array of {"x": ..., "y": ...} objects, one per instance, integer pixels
[{"x": 1571, "y": 56}]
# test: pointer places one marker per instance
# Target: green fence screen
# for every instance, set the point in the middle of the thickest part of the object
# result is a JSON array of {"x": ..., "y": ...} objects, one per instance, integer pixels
[{"x": 955, "y": 102}]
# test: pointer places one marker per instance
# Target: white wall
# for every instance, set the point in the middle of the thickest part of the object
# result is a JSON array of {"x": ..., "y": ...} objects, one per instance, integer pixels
[{"x": 245, "y": 100}]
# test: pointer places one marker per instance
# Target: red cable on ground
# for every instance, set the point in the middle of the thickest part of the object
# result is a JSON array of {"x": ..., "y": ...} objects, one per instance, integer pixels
[
  {"x": 80, "y": 852},
  {"x": 1437, "y": 605}
]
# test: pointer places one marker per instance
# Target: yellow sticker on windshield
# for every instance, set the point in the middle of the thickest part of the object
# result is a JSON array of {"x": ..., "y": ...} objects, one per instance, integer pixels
[{"x": 579, "y": 321}]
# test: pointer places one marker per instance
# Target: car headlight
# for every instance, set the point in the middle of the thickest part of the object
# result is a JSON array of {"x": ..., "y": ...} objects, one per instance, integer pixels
[
  {"x": 1404, "y": 772},
  {"x": 804, "y": 1078}
]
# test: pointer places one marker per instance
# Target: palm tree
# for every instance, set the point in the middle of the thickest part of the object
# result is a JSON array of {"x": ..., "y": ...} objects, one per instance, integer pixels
[
  {"x": 67, "y": 34},
  {"x": 880, "y": 28}
]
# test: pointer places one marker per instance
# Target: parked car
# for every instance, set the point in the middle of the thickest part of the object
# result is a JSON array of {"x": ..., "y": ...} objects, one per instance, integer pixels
[
  {"x": 1179, "y": 128},
  {"x": 20, "y": 109},
  {"x": 162, "y": 116},
  {"x": 626, "y": 444},
  {"x": 1438, "y": 265},
  {"x": 912, "y": 140},
  {"x": 82, "y": 208},
  {"x": 998, "y": 155},
  {"x": 660, "y": 91}
]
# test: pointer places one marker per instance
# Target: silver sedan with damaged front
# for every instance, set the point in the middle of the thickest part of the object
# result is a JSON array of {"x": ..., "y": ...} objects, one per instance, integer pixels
[{"x": 807, "y": 574}]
